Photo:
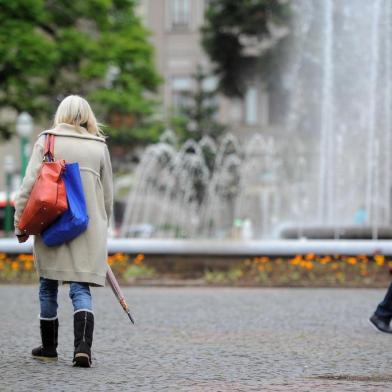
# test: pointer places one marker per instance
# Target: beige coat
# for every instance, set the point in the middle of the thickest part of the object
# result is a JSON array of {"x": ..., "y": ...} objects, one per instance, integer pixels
[{"x": 84, "y": 259}]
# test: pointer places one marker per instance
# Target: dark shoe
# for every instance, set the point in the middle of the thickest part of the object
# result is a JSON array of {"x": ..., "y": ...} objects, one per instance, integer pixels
[
  {"x": 49, "y": 336},
  {"x": 83, "y": 331},
  {"x": 380, "y": 324}
]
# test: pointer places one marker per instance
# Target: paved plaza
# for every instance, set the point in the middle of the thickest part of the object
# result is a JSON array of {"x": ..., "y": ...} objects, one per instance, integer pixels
[{"x": 204, "y": 339}]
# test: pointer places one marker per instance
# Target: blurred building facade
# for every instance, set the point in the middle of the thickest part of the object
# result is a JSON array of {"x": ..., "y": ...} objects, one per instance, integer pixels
[{"x": 175, "y": 33}]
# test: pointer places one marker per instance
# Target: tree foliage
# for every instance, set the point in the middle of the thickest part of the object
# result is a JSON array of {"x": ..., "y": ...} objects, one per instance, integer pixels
[
  {"x": 197, "y": 115},
  {"x": 96, "y": 48},
  {"x": 231, "y": 28}
]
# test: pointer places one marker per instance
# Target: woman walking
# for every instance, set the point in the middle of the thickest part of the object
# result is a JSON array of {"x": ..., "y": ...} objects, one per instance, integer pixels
[{"x": 81, "y": 262}]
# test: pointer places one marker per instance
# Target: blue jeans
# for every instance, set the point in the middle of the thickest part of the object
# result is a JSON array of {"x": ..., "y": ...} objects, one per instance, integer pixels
[
  {"x": 48, "y": 288},
  {"x": 384, "y": 309}
]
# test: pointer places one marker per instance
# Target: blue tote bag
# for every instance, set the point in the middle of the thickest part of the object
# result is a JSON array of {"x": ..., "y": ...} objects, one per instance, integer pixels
[{"x": 74, "y": 220}]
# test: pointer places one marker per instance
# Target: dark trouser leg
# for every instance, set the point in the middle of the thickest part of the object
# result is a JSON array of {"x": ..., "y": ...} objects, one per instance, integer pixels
[{"x": 384, "y": 309}]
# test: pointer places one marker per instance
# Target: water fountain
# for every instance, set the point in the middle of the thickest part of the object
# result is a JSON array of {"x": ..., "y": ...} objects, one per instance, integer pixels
[
  {"x": 331, "y": 169},
  {"x": 199, "y": 189},
  {"x": 339, "y": 84}
]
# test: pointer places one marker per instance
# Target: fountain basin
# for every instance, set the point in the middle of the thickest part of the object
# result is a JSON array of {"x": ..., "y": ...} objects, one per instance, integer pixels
[
  {"x": 337, "y": 232},
  {"x": 228, "y": 248}
]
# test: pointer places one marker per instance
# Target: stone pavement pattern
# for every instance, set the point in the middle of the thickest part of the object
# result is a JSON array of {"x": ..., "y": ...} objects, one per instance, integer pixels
[{"x": 204, "y": 339}]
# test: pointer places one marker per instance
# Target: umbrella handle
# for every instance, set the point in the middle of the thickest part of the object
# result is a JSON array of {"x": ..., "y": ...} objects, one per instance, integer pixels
[
  {"x": 126, "y": 308},
  {"x": 124, "y": 304}
]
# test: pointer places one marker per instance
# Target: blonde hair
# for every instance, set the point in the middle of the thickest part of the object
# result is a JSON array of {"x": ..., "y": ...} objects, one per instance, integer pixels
[{"x": 75, "y": 110}]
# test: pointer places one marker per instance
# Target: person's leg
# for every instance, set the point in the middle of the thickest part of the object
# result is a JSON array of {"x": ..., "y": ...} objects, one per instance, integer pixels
[
  {"x": 383, "y": 314},
  {"x": 384, "y": 309},
  {"x": 83, "y": 323},
  {"x": 81, "y": 297},
  {"x": 48, "y": 319},
  {"x": 48, "y": 290}
]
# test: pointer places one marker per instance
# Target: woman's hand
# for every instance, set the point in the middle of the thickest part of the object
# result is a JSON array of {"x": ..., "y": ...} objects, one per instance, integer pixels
[{"x": 22, "y": 238}]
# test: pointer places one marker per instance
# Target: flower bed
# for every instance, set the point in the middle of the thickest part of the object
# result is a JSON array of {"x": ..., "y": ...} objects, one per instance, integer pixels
[
  {"x": 301, "y": 270},
  {"x": 307, "y": 270},
  {"x": 20, "y": 268}
]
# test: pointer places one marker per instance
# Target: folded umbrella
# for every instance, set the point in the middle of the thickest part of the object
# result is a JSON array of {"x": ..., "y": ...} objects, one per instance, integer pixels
[{"x": 117, "y": 292}]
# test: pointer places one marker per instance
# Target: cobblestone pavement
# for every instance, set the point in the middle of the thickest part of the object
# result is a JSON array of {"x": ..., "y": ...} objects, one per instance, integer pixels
[{"x": 204, "y": 339}]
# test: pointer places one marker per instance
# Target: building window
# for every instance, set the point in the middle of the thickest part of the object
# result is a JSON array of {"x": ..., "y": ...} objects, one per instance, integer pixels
[
  {"x": 210, "y": 84},
  {"x": 251, "y": 106},
  {"x": 180, "y": 14},
  {"x": 180, "y": 85}
]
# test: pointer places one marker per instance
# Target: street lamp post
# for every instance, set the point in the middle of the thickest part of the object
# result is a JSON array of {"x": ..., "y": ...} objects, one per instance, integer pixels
[
  {"x": 8, "y": 169},
  {"x": 24, "y": 128}
]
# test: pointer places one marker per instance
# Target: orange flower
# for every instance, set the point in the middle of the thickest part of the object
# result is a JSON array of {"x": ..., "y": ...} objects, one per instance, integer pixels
[
  {"x": 1, "y": 264},
  {"x": 294, "y": 261},
  {"x": 310, "y": 256},
  {"x": 119, "y": 256},
  {"x": 138, "y": 259},
  {"x": 334, "y": 266},
  {"x": 297, "y": 260},
  {"x": 351, "y": 260},
  {"x": 309, "y": 265},
  {"x": 28, "y": 266},
  {"x": 261, "y": 268},
  {"x": 379, "y": 259},
  {"x": 2, "y": 256},
  {"x": 325, "y": 259},
  {"x": 14, "y": 265},
  {"x": 303, "y": 264},
  {"x": 25, "y": 257}
]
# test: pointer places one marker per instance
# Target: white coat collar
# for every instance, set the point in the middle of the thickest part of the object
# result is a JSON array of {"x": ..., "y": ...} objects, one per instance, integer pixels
[{"x": 63, "y": 129}]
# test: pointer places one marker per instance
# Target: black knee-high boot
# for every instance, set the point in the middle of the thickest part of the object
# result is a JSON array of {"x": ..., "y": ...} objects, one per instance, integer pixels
[
  {"x": 83, "y": 332},
  {"x": 49, "y": 336}
]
